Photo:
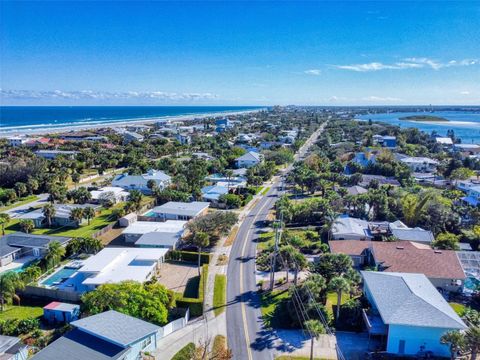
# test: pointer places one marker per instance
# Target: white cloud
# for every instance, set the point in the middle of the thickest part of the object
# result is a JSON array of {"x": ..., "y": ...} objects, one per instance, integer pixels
[
  {"x": 381, "y": 99},
  {"x": 465, "y": 92},
  {"x": 315, "y": 72},
  {"x": 102, "y": 95},
  {"x": 408, "y": 63}
]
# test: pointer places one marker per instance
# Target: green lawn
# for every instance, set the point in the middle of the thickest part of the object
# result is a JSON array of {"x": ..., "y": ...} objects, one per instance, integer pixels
[
  {"x": 220, "y": 294},
  {"x": 459, "y": 308},
  {"x": 265, "y": 190},
  {"x": 185, "y": 353},
  {"x": 265, "y": 240},
  {"x": 273, "y": 307},
  {"x": 103, "y": 219},
  {"x": 21, "y": 312},
  {"x": 22, "y": 201},
  {"x": 332, "y": 300}
]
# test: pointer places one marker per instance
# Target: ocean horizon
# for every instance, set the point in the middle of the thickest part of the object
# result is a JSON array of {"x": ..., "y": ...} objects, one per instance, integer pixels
[{"x": 41, "y": 118}]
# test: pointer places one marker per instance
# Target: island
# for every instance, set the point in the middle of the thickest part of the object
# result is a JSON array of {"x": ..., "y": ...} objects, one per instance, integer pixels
[{"x": 423, "y": 118}]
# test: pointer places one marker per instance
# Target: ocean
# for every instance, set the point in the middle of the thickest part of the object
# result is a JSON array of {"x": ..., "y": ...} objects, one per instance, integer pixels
[
  {"x": 465, "y": 124},
  {"x": 16, "y": 119}
]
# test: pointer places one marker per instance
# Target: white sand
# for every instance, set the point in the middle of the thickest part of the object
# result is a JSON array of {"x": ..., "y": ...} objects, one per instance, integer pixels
[{"x": 120, "y": 124}]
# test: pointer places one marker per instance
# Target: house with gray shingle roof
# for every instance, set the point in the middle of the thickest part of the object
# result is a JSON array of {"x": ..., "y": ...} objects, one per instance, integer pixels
[
  {"x": 408, "y": 312},
  {"x": 248, "y": 160},
  {"x": 105, "y": 336}
]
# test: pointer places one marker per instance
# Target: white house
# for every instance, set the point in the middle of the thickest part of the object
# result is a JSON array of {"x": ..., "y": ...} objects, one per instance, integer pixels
[
  {"x": 52, "y": 154},
  {"x": 113, "y": 265},
  {"x": 16, "y": 141},
  {"x": 140, "y": 182},
  {"x": 420, "y": 164},
  {"x": 445, "y": 141},
  {"x": 248, "y": 160},
  {"x": 155, "y": 234},
  {"x": 347, "y": 228},
  {"x": 117, "y": 194},
  {"x": 409, "y": 312},
  {"x": 174, "y": 210},
  {"x": 129, "y": 136}
]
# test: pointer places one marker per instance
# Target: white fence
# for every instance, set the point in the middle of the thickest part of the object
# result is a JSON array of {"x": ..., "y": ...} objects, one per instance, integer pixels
[{"x": 174, "y": 325}]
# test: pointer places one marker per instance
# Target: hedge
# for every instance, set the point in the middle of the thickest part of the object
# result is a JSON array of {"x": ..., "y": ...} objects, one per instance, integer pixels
[
  {"x": 190, "y": 256},
  {"x": 195, "y": 304}
]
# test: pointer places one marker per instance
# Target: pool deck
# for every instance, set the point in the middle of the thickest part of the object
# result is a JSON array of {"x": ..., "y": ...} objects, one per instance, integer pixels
[{"x": 18, "y": 263}]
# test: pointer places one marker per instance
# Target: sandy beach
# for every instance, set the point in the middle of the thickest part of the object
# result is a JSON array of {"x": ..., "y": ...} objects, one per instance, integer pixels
[{"x": 119, "y": 124}]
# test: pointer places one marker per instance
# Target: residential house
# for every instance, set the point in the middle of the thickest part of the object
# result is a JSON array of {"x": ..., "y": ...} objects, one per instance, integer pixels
[
  {"x": 174, "y": 210},
  {"x": 140, "y": 182},
  {"x": 237, "y": 180},
  {"x": 53, "y": 154},
  {"x": 409, "y": 312},
  {"x": 222, "y": 125},
  {"x": 441, "y": 267},
  {"x": 381, "y": 180},
  {"x": 108, "y": 335},
  {"x": 385, "y": 141},
  {"x": 113, "y": 265},
  {"x": 183, "y": 139},
  {"x": 364, "y": 158},
  {"x": 62, "y": 216},
  {"x": 356, "y": 190},
  {"x": 213, "y": 193},
  {"x": 163, "y": 234},
  {"x": 400, "y": 231},
  {"x": 248, "y": 160},
  {"x": 348, "y": 228},
  {"x": 18, "y": 245},
  {"x": 129, "y": 136},
  {"x": 467, "y": 149},
  {"x": 117, "y": 194},
  {"x": 12, "y": 348},
  {"x": 444, "y": 141},
  {"x": 203, "y": 155},
  {"x": 472, "y": 191},
  {"x": 420, "y": 164},
  {"x": 16, "y": 141},
  {"x": 61, "y": 313}
]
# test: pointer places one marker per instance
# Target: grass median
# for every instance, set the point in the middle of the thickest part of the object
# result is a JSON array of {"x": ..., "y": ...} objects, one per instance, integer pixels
[{"x": 219, "y": 294}]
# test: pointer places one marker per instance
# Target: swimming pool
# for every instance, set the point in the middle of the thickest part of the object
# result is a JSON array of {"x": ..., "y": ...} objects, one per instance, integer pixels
[{"x": 59, "y": 276}]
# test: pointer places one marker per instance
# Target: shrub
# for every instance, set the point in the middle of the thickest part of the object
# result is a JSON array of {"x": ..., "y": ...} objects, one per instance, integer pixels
[
  {"x": 195, "y": 304},
  {"x": 190, "y": 256}
]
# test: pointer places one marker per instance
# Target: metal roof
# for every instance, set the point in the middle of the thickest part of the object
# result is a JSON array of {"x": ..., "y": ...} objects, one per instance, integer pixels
[
  {"x": 116, "y": 327},
  {"x": 410, "y": 299}
]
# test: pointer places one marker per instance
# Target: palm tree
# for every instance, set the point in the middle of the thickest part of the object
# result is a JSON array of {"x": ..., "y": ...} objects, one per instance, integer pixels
[
  {"x": 229, "y": 175},
  {"x": 77, "y": 215},
  {"x": 49, "y": 213},
  {"x": 340, "y": 285},
  {"x": 329, "y": 220},
  {"x": 455, "y": 340},
  {"x": 472, "y": 340},
  {"x": 201, "y": 240},
  {"x": 413, "y": 206},
  {"x": 89, "y": 213},
  {"x": 26, "y": 225},
  {"x": 135, "y": 198},
  {"x": 315, "y": 328},
  {"x": 10, "y": 282},
  {"x": 4, "y": 220},
  {"x": 55, "y": 253}
]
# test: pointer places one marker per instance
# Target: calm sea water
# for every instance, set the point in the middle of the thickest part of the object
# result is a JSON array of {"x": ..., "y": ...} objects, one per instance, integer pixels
[
  {"x": 28, "y": 118},
  {"x": 465, "y": 124}
]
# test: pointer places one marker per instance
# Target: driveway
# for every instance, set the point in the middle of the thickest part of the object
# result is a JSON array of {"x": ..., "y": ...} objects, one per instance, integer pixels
[
  {"x": 354, "y": 345},
  {"x": 22, "y": 209}
]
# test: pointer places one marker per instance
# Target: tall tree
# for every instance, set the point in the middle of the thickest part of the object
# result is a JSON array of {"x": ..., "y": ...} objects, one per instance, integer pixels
[
  {"x": 472, "y": 340},
  {"x": 201, "y": 240},
  {"x": 26, "y": 225},
  {"x": 49, "y": 212},
  {"x": 55, "y": 252},
  {"x": 76, "y": 214},
  {"x": 89, "y": 213},
  {"x": 340, "y": 285}
]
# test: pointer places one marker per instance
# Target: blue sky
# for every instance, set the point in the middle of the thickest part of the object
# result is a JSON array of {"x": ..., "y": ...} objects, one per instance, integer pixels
[{"x": 239, "y": 53}]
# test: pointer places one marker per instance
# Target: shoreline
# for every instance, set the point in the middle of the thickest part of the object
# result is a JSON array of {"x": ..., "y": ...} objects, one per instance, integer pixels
[{"x": 121, "y": 123}]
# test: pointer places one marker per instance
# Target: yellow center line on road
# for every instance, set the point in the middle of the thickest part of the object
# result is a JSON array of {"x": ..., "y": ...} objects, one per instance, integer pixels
[{"x": 242, "y": 304}]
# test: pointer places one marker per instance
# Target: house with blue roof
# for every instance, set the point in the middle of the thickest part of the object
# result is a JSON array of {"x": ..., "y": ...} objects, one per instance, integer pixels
[
  {"x": 409, "y": 312},
  {"x": 213, "y": 193},
  {"x": 110, "y": 335}
]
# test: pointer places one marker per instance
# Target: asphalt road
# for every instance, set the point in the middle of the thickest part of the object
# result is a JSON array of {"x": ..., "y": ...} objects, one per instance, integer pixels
[{"x": 246, "y": 336}]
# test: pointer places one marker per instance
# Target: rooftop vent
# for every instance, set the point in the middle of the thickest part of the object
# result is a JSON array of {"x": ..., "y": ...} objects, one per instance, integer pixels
[
  {"x": 437, "y": 251},
  {"x": 400, "y": 248}
]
